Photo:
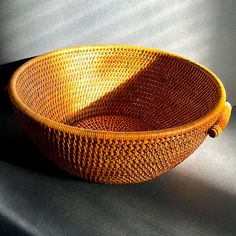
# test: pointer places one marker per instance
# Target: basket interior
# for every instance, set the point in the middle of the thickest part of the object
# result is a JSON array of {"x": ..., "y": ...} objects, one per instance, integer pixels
[{"x": 117, "y": 89}]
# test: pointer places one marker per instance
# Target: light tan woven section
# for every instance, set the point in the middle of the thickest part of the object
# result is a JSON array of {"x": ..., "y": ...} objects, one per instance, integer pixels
[
  {"x": 158, "y": 89},
  {"x": 116, "y": 89}
]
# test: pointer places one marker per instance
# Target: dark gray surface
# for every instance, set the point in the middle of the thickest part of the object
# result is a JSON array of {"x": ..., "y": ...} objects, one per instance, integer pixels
[{"x": 196, "y": 198}]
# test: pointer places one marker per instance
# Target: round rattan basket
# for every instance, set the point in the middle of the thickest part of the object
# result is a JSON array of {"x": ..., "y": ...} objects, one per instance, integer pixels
[{"x": 117, "y": 114}]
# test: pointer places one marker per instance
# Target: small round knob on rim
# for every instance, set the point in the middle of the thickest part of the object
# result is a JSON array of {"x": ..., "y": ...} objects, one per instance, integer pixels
[{"x": 222, "y": 121}]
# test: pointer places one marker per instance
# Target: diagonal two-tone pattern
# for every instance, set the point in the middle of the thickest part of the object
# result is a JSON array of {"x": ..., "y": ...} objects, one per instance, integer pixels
[{"x": 116, "y": 114}]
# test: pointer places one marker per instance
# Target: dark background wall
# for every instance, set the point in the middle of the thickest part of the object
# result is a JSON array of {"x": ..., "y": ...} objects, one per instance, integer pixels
[{"x": 202, "y": 30}]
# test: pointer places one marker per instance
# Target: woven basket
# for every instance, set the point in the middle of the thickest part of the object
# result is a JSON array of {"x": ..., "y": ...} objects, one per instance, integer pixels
[{"x": 117, "y": 114}]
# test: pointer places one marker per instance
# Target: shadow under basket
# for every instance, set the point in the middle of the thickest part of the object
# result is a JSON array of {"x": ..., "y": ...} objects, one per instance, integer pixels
[{"x": 117, "y": 114}]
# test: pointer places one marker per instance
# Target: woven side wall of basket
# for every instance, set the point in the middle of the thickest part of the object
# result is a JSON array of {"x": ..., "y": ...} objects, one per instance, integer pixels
[{"x": 117, "y": 114}]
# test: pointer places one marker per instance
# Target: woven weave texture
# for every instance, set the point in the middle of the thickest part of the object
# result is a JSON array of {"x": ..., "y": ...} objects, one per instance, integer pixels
[{"x": 114, "y": 90}]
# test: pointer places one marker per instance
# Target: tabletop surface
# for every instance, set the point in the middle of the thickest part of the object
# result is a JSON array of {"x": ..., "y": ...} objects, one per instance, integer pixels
[{"x": 198, "y": 197}]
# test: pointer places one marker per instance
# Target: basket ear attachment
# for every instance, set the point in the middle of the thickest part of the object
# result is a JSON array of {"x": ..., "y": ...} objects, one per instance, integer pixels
[{"x": 222, "y": 121}]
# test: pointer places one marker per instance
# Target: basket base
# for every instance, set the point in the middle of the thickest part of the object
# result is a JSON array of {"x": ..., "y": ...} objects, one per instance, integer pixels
[{"x": 113, "y": 123}]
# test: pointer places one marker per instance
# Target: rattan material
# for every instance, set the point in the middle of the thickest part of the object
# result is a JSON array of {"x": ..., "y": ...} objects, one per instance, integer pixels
[{"x": 117, "y": 114}]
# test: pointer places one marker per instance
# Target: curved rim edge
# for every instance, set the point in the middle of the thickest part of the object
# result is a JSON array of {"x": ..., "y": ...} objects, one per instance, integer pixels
[{"x": 111, "y": 134}]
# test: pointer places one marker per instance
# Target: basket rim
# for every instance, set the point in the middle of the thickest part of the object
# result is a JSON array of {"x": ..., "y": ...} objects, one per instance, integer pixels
[{"x": 137, "y": 135}]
